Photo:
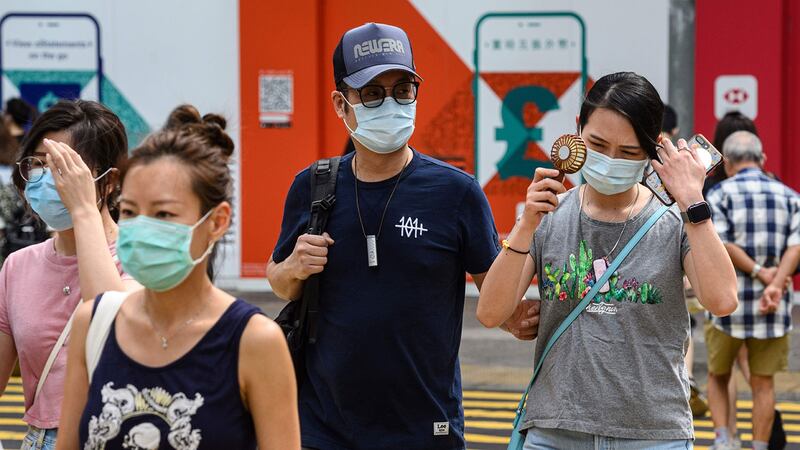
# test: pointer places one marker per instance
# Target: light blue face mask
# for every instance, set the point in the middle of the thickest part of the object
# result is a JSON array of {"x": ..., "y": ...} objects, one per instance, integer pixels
[
  {"x": 43, "y": 197},
  {"x": 156, "y": 253},
  {"x": 384, "y": 129},
  {"x": 611, "y": 176}
]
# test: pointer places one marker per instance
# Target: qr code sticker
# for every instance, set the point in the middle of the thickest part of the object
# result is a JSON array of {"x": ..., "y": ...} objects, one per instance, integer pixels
[{"x": 275, "y": 93}]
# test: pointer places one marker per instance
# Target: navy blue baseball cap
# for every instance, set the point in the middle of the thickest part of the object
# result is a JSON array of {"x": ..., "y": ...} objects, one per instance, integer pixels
[{"x": 365, "y": 52}]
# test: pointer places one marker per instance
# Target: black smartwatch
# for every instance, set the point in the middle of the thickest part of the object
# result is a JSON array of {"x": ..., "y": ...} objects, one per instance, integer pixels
[{"x": 697, "y": 213}]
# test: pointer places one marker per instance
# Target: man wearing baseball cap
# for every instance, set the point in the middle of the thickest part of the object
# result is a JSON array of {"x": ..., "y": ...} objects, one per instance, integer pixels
[{"x": 384, "y": 372}]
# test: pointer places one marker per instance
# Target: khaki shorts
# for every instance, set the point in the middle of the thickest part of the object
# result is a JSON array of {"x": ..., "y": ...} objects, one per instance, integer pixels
[{"x": 766, "y": 357}]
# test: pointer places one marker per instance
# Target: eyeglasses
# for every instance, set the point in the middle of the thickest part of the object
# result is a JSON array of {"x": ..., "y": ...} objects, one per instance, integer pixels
[
  {"x": 373, "y": 95},
  {"x": 31, "y": 169}
]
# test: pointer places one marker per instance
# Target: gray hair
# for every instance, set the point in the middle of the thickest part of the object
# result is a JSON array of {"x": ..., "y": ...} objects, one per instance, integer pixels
[{"x": 743, "y": 146}]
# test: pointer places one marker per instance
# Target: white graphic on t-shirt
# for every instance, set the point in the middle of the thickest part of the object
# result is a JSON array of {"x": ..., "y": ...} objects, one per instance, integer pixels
[
  {"x": 408, "y": 226},
  {"x": 120, "y": 405},
  {"x": 144, "y": 436},
  {"x": 602, "y": 308}
]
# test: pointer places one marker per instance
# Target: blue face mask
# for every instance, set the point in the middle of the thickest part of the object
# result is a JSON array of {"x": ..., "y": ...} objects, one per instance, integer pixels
[
  {"x": 384, "y": 129},
  {"x": 156, "y": 253},
  {"x": 611, "y": 176},
  {"x": 43, "y": 197}
]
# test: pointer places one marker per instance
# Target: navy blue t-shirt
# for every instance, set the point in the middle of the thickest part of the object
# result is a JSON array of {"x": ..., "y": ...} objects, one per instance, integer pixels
[{"x": 384, "y": 373}]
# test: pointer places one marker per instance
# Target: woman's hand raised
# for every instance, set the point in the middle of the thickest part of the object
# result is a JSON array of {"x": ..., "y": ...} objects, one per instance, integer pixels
[
  {"x": 682, "y": 172},
  {"x": 74, "y": 179},
  {"x": 542, "y": 196}
]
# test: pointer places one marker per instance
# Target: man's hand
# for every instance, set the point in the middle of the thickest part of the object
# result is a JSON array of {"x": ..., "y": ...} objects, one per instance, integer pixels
[
  {"x": 766, "y": 275},
  {"x": 770, "y": 299},
  {"x": 310, "y": 255},
  {"x": 524, "y": 322}
]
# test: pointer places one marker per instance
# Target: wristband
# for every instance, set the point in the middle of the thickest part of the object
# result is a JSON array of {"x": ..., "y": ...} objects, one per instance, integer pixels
[
  {"x": 507, "y": 246},
  {"x": 757, "y": 268}
]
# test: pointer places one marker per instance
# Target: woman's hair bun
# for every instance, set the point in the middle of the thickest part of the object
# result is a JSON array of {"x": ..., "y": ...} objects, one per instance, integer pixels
[
  {"x": 181, "y": 116},
  {"x": 216, "y": 119},
  {"x": 210, "y": 127}
]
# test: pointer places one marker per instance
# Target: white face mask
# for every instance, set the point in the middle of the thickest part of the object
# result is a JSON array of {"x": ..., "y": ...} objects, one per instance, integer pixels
[
  {"x": 384, "y": 129},
  {"x": 611, "y": 176}
]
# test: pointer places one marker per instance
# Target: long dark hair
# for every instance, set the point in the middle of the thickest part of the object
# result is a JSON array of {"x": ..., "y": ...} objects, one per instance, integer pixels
[
  {"x": 202, "y": 146},
  {"x": 21, "y": 112},
  {"x": 96, "y": 134},
  {"x": 8, "y": 147},
  {"x": 730, "y": 123},
  {"x": 634, "y": 97}
]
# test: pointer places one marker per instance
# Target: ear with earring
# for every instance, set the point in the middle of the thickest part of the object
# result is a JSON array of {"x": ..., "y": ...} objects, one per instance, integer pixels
[{"x": 115, "y": 194}]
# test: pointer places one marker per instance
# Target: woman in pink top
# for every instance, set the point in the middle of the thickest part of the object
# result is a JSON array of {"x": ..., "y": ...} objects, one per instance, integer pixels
[{"x": 74, "y": 193}]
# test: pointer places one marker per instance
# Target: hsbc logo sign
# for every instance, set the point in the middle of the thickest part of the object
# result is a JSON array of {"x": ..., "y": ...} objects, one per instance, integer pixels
[
  {"x": 736, "y": 93},
  {"x": 374, "y": 46},
  {"x": 736, "y": 96}
]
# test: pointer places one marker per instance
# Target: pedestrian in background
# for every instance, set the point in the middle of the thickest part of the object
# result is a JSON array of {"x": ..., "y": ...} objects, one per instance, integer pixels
[
  {"x": 17, "y": 229},
  {"x": 730, "y": 123},
  {"x": 670, "y": 130},
  {"x": 758, "y": 219},
  {"x": 669, "y": 126},
  {"x": 18, "y": 117}
]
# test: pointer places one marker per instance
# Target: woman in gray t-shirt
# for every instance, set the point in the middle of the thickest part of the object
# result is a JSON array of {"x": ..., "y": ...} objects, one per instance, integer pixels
[{"x": 617, "y": 374}]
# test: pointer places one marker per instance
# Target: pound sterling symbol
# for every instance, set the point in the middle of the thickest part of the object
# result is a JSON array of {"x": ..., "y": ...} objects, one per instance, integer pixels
[{"x": 517, "y": 135}]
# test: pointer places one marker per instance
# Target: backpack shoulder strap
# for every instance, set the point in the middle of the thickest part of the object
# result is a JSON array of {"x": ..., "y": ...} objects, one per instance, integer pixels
[
  {"x": 323, "y": 192},
  {"x": 104, "y": 315}
]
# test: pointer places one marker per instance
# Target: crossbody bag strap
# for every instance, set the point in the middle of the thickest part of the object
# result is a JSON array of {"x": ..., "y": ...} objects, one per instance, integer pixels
[
  {"x": 54, "y": 352},
  {"x": 103, "y": 318},
  {"x": 586, "y": 300},
  {"x": 51, "y": 359}
]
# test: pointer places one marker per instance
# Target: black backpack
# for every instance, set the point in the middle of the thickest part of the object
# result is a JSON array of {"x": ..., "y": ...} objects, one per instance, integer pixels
[{"x": 298, "y": 319}]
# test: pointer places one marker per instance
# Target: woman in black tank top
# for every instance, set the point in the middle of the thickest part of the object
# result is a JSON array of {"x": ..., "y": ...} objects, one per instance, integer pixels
[{"x": 185, "y": 366}]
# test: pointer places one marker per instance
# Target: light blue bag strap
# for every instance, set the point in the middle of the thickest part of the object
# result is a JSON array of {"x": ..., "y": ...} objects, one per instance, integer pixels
[{"x": 585, "y": 302}]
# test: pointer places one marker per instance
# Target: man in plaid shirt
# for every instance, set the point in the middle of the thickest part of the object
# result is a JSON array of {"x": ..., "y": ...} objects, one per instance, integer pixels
[{"x": 758, "y": 219}]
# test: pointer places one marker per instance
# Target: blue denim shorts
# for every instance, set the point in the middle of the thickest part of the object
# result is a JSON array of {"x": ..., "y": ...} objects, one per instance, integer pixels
[
  {"x": 39, "y": 439},
  {"x": 551, "y": 439}
]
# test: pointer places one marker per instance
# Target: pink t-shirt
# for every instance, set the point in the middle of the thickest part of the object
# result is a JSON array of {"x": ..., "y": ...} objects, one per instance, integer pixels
[{"x": 39, "y": 290}]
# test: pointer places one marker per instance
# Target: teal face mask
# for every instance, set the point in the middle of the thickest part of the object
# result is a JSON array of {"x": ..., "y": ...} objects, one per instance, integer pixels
[{"x": 156, "y": 253}]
